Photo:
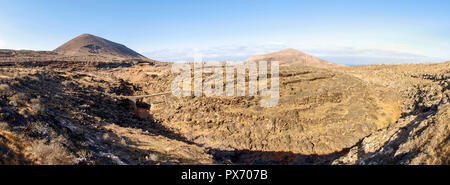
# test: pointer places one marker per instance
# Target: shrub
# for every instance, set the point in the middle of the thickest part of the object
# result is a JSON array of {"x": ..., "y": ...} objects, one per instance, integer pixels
[
  {"x": 4, "y": 126},
  {"x": 37, "y": 106},
  {"x": 52, "y": 154},
  {"x": 4, "y": 87},
  {"x": 40, "y": 128}
]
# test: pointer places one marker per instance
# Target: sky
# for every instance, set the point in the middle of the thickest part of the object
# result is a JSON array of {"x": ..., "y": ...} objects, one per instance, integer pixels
[{"x": 352, "y": 32}]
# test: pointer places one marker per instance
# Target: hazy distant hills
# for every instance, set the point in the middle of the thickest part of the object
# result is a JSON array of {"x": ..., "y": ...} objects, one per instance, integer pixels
[
  {"x": 293, "y": 57},
  {"x": 88, "y": 45}
]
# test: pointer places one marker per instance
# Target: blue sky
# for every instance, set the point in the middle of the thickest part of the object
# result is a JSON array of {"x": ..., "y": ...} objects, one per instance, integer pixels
[{"x": 344, "y": 31}]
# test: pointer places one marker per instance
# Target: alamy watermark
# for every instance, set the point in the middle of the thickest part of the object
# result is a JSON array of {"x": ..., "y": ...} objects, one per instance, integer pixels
[{"x": 228, "y": 79}]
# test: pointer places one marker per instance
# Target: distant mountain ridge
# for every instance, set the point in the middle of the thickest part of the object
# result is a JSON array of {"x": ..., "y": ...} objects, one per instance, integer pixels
[
  {"x": 88, "y": 45},
  {"x": 293, "y": 57}
]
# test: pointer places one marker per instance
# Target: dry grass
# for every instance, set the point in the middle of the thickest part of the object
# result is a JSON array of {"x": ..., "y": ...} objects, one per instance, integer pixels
[
  {"x": 51, "y": 154},
  {"x": 11, "y": 149}
]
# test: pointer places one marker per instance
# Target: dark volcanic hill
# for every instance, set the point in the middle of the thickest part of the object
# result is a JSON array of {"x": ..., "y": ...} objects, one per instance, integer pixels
[
  {"x": 87, "y": 45},
  {"x": 292, "y": 57}
]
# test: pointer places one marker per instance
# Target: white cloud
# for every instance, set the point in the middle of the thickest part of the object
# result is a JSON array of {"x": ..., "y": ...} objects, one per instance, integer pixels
[
  {"x": 360, "y": 56},
  {"x": 2, "y": 44},
  {"x": 338, "y": 54},
  {"x": 215, "y": 53}
]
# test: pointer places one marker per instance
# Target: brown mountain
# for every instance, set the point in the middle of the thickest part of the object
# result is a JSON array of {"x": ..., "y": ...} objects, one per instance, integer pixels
[
  {"x": 88, "y": 45},
  {"x": 294, "y": 57}
]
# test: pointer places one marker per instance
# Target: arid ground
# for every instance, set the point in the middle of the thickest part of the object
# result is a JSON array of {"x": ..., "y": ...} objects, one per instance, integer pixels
[{"x": 70, "y": 109}]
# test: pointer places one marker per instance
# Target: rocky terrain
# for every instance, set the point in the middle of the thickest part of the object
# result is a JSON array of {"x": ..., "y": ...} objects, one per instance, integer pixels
[
  {"x": 59, "y": 109},
  {"x": 421, "y": 135}
]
